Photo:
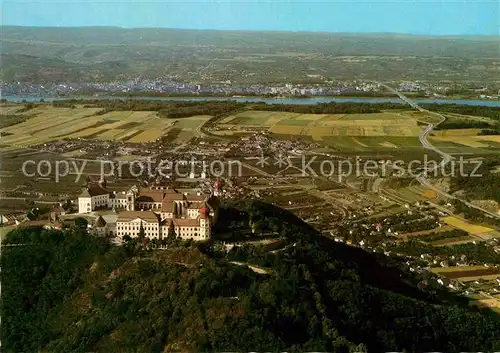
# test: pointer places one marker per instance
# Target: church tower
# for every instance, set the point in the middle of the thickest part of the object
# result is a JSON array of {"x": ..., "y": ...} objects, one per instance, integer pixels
[
  {"x": 130, "y": 200},
  {"x": 204, "y": 222}
]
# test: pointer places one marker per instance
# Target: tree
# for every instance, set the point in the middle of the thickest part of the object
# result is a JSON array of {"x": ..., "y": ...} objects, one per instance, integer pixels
[
  {"x": 360, "y": 348},
  {"x": 33, "y": 213},
  {"x": 142, "y": 233},
  {"x": 81, "y": 223},
  {"x": 171, "y": 236},
  {"x": 155, "y": 242}
]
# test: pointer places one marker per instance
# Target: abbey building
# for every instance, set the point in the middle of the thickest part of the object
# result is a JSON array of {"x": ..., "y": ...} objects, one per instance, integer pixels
[{"x": 155, "y": 212}]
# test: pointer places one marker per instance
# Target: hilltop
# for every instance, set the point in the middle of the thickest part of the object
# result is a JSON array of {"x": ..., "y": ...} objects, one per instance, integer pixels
[{"x": 68, "y": 291}]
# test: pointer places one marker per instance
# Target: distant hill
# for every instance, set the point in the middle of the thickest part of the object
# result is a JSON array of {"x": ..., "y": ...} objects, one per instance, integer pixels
[
  {"x": 241, "y": 56},
  {"x": 73, "y": 292}
]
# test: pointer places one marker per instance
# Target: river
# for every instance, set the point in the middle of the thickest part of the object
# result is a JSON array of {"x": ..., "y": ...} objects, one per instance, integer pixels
[{"x": 311, "y": 100}]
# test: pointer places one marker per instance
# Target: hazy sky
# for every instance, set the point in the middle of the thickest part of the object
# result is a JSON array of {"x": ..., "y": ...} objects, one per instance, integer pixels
[{"x": 401, "y": 16}]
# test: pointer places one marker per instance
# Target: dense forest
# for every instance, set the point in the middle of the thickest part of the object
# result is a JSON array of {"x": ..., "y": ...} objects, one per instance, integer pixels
[
  {"x": 464, "y": 124},
  {"x": 178, "y": 109},
  {"x": 489, "y": 132},
  {"x": 473, "y": 110},
  {"x": 68, "y": 291}
]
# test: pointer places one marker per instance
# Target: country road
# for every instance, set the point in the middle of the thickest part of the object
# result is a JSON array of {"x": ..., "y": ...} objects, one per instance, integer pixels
[{"x": 427, "y": 145}]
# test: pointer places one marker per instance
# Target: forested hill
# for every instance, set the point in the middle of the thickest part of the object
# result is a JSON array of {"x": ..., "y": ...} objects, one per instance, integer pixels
[
  {"x": 104, "y": 54},
  {"x": 68, "y": 291}
]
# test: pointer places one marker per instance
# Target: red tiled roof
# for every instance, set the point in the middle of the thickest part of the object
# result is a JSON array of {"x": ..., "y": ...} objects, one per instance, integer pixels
[
  {"x": 204, "y": 211},
  {"x": 173, "y": 197},
  {"x": 94, "y": 190},
  {"x": 196, "y": 197},
  {"x": 188, "y": 222},
  {"x": 127, "y": 216}
]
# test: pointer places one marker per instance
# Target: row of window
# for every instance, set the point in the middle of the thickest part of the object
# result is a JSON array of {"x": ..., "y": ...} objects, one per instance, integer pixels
[
  {"x": 149, "y": 205},
  {"x": 136, "y": 228},
  {"x": 155, "y": 235}
]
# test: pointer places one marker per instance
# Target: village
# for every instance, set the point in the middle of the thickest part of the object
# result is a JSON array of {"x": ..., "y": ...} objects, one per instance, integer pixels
[{"x": 129, "y": 187}]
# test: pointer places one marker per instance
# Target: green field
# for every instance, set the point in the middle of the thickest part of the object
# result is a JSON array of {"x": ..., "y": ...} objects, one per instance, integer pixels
[
  {"x": 323, "y": 126},
  {"x": 294, "y": 122},
  {"x": 373, "y": 116},
  {"x": 46, "y": 123},
  {"x": 364, "y": 143}
]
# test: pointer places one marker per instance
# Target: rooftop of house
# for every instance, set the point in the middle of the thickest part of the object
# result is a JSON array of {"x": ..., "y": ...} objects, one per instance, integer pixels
[
  {"x": 93, "y": 190},
  {"x": 186, "y": 222},
  {"x": 147, "y": 216},
  {"x": 100, "y": 223},
  {"x": 182, "y": 222},
  {"x": 39, "y": 223},
  {"x": 118, "y": 195}
]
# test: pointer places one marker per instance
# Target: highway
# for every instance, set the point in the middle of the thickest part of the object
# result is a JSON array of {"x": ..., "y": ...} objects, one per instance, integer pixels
[{"x": 446, "y": 158}]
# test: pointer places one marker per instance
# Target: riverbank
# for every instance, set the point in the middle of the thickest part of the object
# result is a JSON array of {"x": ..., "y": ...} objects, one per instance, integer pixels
[
  {"x": 251, "y": 99},
  {"x": 368, "y": 95}
]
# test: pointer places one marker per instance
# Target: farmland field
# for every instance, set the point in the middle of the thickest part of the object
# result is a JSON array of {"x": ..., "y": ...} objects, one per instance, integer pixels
[
  {"x": 254, "y": 117},
  {"x": 323, "y": 126},
  {"x": 468, "y": 273},
  {"x": 47, "y": 123},
  {"x": 493, "y": 304},
  {"x": 468, "y": 227},
  {"x": 372, "y": 116},
  {"x": 472, "y": 275},
  {"x": 457, "y": 132},
  {"x": 294, "y": 122},
  {"x": 452, "y": 241},
  {"x": 429, "y": 194},
  {"x": 11, "y": 109},
  {"x": 470, "y": 141},
  {"x": 286, "y": 129},
  {"x": 372, "y": 143}
]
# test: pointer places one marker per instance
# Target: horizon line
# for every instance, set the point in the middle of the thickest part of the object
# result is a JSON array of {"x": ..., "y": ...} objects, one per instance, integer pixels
[{"x": 255, "y": 30}]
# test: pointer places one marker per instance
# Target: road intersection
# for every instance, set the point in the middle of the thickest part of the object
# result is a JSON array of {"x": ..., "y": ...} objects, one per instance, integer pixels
[{"x": 446, "y": 158}]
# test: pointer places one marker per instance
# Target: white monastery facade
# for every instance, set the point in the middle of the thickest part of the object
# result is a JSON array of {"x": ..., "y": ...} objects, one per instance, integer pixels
[{"x": 159, "y": 211}]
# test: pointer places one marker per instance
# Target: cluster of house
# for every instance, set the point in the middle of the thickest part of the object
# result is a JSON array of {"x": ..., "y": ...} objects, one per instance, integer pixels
[{"x": 154, "y": 212}]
